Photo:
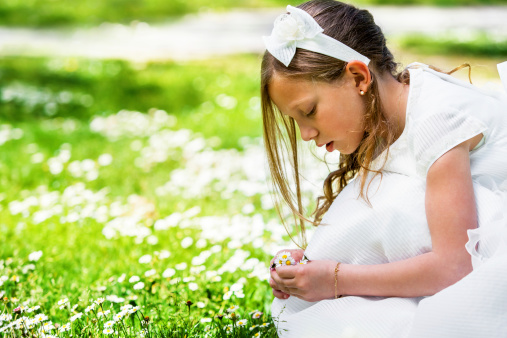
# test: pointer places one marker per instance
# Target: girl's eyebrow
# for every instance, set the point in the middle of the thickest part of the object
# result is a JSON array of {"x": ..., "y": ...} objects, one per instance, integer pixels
[{"x": 293, "y": 105}]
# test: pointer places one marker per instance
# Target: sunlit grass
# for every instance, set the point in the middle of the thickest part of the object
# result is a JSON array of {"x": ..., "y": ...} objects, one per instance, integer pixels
[
  {"x": 464, "y": 45},
  {"x": 153, "y": 208},
  {"x": 45, "y": 13}
]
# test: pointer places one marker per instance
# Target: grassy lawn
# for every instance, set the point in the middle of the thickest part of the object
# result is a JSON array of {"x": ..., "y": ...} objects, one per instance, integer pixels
[
  {"x": 47, "y": 13},
  {"x": 134, "y": 185}
]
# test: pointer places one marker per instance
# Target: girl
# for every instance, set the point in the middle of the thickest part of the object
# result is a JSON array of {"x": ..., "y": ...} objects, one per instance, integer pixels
[{"x": 426, "y": 154}]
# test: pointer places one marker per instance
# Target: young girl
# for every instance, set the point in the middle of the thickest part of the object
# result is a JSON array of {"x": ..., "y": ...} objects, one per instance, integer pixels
[{"x": 427, "y": 156}]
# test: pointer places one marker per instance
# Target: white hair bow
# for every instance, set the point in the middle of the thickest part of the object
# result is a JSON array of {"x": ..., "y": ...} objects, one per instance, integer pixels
[{"x": 298, "y": 29}]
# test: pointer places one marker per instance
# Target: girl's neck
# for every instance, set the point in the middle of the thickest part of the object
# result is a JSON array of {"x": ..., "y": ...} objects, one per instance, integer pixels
[{"x": 394, "y": 97}]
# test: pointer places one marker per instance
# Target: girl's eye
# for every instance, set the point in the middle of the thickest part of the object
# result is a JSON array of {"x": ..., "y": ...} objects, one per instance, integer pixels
[{"x": 312, "y": 112}]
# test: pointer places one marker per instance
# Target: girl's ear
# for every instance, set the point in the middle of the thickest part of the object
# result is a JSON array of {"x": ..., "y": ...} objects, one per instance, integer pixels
[{"x": 360, "y": 73}]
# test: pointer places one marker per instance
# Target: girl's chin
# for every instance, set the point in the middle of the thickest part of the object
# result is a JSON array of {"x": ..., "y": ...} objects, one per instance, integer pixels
[{"x": 330, "y": 146}]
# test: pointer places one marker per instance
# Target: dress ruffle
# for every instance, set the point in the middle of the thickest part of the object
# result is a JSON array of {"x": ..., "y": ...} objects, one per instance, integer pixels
[{"x": 490, "y": 238}]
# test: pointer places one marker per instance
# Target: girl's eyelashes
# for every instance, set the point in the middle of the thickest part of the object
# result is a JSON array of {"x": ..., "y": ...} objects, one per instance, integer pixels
[{"x": 312, "y": 112}]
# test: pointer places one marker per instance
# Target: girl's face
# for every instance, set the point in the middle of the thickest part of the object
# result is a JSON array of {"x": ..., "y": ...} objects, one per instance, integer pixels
[{"x": 331, "y": 114}]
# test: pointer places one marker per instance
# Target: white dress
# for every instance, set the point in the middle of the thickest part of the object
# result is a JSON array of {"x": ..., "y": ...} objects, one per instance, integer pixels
[{"x": 442, "y": 112}]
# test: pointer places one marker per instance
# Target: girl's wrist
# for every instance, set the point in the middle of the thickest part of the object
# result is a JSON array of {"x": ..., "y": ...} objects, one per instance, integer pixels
[{"x": 339, "y": 272}]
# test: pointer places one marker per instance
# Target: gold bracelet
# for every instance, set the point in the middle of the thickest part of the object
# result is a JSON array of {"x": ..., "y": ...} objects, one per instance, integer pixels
[{"x": 336, "y": 281}]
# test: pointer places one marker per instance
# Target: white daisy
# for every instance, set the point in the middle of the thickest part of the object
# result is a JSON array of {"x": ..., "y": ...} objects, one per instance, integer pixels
[
  {"x": 145, "y": 259},
  {"x": 33, "y": 308},
  {"x": 241, "y": 322},
  {"x": 64, "y": 327},
  {"x": 76, "y": 316},
  {"x": 108, "y": 331},
  {"x": 48, "y": 326},
  {"x": 134, "y": 309},
  {"x": 134, "y": 279},
  {"x": 139, "y": 286},
  {"x": 40, "y": 318},
  {"x": 109, "y": 324},
  {"x": 233, "y": 308},
  {"x": 256, "y": 315},
  {"x": 126, "y": 307},
  {"x": 103, "y": 313},
  {"x": 150, "y": 273},
  {"x": 168, "y": 273},
  {"x": 63, "y": 302},
  {"x": 35, "y": 256}
]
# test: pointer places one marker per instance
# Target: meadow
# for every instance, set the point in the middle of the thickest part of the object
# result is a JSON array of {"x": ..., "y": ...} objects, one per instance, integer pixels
[
  {"x": 134, "y": 199},
  {"x": 51, "y": 13}
]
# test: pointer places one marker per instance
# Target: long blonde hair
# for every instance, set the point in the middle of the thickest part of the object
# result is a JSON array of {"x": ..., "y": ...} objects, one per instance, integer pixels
[{"x": 355, "y": 28}]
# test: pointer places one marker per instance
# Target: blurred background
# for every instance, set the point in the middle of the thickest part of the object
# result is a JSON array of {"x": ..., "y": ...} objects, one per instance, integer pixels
[{"x": 130, "y": 146}]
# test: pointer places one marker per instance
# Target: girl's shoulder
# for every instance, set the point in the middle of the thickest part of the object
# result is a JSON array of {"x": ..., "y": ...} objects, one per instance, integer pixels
[
  {"x": 443, "y": 111},
  {"x": 432, "y": 92}
]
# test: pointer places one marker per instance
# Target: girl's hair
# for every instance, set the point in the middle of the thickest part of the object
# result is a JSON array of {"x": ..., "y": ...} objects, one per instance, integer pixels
[{"x": 355, "y": 28}]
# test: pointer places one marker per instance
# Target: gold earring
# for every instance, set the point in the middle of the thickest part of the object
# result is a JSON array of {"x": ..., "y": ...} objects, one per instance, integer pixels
[{"x": 361, "y": 92}]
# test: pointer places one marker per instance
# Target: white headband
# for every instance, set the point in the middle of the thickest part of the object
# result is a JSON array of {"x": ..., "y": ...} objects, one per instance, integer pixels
[{"x": 300, "y": 30}]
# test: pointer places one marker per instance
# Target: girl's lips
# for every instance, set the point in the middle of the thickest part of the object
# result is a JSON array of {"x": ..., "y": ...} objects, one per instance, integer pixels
[{"x": 329, "y": 146}]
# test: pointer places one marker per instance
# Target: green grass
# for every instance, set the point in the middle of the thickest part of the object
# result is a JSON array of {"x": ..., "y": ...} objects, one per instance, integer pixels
[
  {"x": 56, "y": 197},
  {"x": 225, "y": 91},
  {"x": 49, "y": 13},
  {"x": 44, "y": 13},
  {"x": 440, "y": 3},
  {"x": 476, "y": 45}
]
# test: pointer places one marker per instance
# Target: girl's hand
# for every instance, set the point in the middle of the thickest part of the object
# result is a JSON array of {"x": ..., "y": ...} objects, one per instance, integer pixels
[
  {"x": 311, "y": 282},
  {"x": 297, "y": 254}
]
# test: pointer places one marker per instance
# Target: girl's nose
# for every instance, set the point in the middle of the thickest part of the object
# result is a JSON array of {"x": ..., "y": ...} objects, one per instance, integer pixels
[{"x": 308, "y": 133}]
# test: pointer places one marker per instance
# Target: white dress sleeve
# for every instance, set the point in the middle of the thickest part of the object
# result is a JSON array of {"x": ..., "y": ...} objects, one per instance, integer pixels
[{"x": 437, "y": 133}]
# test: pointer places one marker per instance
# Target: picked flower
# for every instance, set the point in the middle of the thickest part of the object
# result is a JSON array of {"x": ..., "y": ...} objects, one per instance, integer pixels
[
  {"x": 284, "y": 258},
  {"x": 304, "y": 260}
]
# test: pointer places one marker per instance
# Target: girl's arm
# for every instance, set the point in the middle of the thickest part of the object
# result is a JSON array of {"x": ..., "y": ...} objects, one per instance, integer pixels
[{"x": 450, "y": 211}]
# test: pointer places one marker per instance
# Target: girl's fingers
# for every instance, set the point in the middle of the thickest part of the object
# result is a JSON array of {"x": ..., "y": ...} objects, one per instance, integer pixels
[
  {"x": 286, "y": 272},
  {"x": 280, "y": 295},
  {"x": 281, "y": 283}
]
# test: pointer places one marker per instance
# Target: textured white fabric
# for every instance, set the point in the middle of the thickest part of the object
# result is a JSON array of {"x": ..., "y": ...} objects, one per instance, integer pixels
[
  {"x": 298, "y": 29},
  {"x": 441, "y": 113}
]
